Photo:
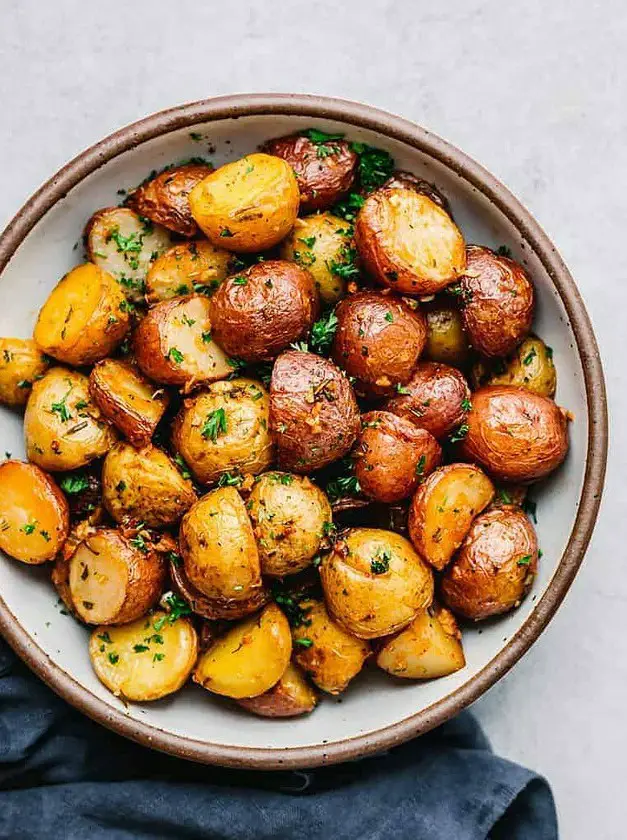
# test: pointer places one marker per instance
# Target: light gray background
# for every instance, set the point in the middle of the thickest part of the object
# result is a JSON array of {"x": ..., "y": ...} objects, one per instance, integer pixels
[{"x": 534, "y": 90}]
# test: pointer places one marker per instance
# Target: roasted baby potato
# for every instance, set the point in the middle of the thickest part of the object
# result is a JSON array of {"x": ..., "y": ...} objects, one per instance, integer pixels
[
  {"x": 258, "y": 313},
  {"x": 514, "y": 434},
  {"x": 495, "y": 566},
  {"x": 443, "y": 509},
  {"x": 409, "y": 243},
  {"x": 379, "y": 339},
  {"x": 374, "y": 582},
  {"x": 225, "y": 429},
  {"x": 392, "y": 456},
  {"x": 250, "y": 658},
  {"x": 186, "y": 268},
  {"x": 84, "y": 318},
  {"x": 114, "y": 577},
  {"x": 290, "y": 697},
  {"x": 291, "y": 516},
  {"x": 144, "y": 485},
  {"x": 447, "y": 341},
  {"x": 405, "y": 180},
  {"x": 21, "y": 364},
  {"x": 497, "y": 300},
  {"x": 325, "y": 168},
  {"x": 125, "y": 245},
  {"x": 164, "y": 199},
  {"x": 174, "y": 344},
  {"x": 129, "y": 400},
  {"x": 322, "y": 243},
  {"x": 218, "y": 546},
  {"x": 138, "y": 662},
  {"x": 436, "y": 398},
  {"x": 325, "y": 651},
  {"x": 34, "y": 514},
  {"x": 63, "y": 429},
  {"x": 530, "y": 367},
  {"x": 313, "y": 411},
  {"x": 248, "y": 205},
  {"x": 429, "y": 648}
]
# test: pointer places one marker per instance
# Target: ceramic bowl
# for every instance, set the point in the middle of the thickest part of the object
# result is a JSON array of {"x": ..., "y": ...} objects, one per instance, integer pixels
[{"x": 44, "y": 240}]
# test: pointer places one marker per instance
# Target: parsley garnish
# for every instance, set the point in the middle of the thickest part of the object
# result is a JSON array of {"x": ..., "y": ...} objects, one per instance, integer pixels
[
  {"x": 345, "y": 485},
  {"x": 139, "y": 543},
  {"x": 459, "y": 434},
  {"x": 381, "y": 563},
  {"x": 175, "y": 355},
  {"x": 304, "y": 642},
  {"x": 420, "y": 466},
  {"x": 375, "y": 165},
  {"x": 240, "y": 281},
  {"x": 466, "y": 404},
  {"x": 214, "y": 425},
  {"x": 73, "y": 484},
  {"x": 228, "y": 479},
  {"x": 226, "y": 232},
  {"x": 177, "y": 606},
  {"x": 294, "y": 613},
  {"x": 503, "y": 251},
  {"x": 61, "y": 408},
  {"x": 348, "y": 207},
  {"x": 322, "y": 332},
  {"x": 114, "y": 658},
  {"x": 345, "y": 267},
  {"x": 530, "y": 356},
  {"x": 29, "y": 528},
  {"x": 524, "y": 561},
  {"x": 530, "y": 508}
]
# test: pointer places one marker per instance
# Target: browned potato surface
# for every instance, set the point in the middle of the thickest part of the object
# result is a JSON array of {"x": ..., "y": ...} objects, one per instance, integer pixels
[
  {"x": 409, "y": 243},
  {"x": 34, "y": 514},
  {"x": 405, "y": 180},
  {"x": 313, "y": 412},
  {"x": 530, "y": 367},
  {"x": 379, "y": 339},
  {"x": 514, "y": 434},
  {"x": 447, "y": 341},
  {"x": 443, "y": 509},
  {"x": 165, "y": 198},
  {"x": 21, "y": 364},
  {"x": 495, "y": 566},
  {"x": 290, "y": 697},
  {"x": 186, "y": 268},
  {"x": 258, "y": 313}
]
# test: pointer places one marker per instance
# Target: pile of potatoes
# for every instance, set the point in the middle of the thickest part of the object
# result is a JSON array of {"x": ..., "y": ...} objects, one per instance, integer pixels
[{"x": 280, "y": 423}]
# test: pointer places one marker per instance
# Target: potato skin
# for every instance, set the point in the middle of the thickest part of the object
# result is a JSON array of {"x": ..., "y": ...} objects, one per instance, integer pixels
[
  {"x": 406, "y": 180},
  {"x": 374, "y": 582},
  {"x": 71, "y": 435},
  {"x": 248, "y": 205},
  {"x": 165, "y": 198},
  {"x": 335, "y": 657},
  {"x": 530, "y": 367},
  {"x": 258, "y": 313},
  {"x": 435, "y": 399},
  {"x": 21, "y": 364},
  {"x": 497, "y": 300},
  {"x": 447, "y": 341},
  {"x": 378, "y": 340},
  {"x": 409, "y": 243},
  {"x": 84, "y": 318},
  {"x": 242, "y": 441},
  {"x": 514, "y": 434},
  {"x": 495, "y": 565},
  {"x": 187, "y": 267},
  {"x": 313, "y": 411},
  {"x": 290, "y": 697},
  {"x": 34, "y": 514},
  {"x": 392, "y": 456}
]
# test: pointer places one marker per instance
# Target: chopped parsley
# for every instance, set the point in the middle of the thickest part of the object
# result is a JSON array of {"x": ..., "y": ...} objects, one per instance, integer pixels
[
  {"x": 309, "y": 241},
  {"x": 294, "y": 613},
  {"x": 158, "y": 657},
  {"x": 29, "y": 528},
  {"x": 420, "y": 466},
  {"x": 524, "y": 561},
  {"x": 228, "y": 479},
  {"x": 206, "y": 337},
  {"x": 225, "y": 232},
  {"x": 466, "y": 404},
  {"x": 73, "y": 484},
  {"x": 375, "y": 165},
  {"x": 503, "y": 251},
  {"x": 381, "y": 563},
  {"x": 345, "y": 485},
  {"x": 139, "y": 543},
  {"x": 61, "y": 408},
  {"x": 304, "y": 642},
  {"x": 114, "y": 658},
  {"x": 348, "y": 207},
  {"x": 322, "y": 332},
  {"x": 126, "y": 244},
  {"x": 175, "y": 355},
  {"x": 345, "y": 266},
  {"x": 459, "y": 434},
  {"x": 389, "y": 317},
  {"x": 120, "y": 486},
  {"x": 401, "y": 389},
  {"x": 504, "y": 496},
  {"x": 140, "y": 648},
  {"x": 530, "y": 508},
  {"x": 530, "y": 356},
  {"x": 215, "y": 425},
  {"x": 177, "y": 608},
  {"x": 240, "y": 280},
  {"x": 180, "y": 463}
]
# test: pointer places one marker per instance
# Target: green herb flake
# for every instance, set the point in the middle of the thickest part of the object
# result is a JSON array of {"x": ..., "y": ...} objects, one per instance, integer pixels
[
  {"x": 215, "y": 425},
  {"x": 309, "y": 241},
  {"x": 73, "y": 484},
  {"x": 140, "y": 648},
  {"x": 375, "y": 166},
  {"x": 459, "y": 434},
  {"x": 225, "y": 232},
  {"x": 228, "y": 479},
  {"x": 530, "y": 356},
  {"x": 120, "y": 486},
  {"x": 389, "y": 317},
  {"x": 175, "y": 355},
  {"x": 240, "y": 280},
  {"x": 504, "y": 251},
  {"x": 323, "y": 332},
  {"x": 466, "y": 404},
  {"x": 304, "y": 642},
  {"x": 420, "y": 466},
  {"x": 206, "y": 337},
  {"x": 114, "y": 658},
  {"x": 380, "y": 564},
  {"x": 524, "y": 561},
  {"x": 29, "y": 528},
  {"x": 158, "y": 657}
]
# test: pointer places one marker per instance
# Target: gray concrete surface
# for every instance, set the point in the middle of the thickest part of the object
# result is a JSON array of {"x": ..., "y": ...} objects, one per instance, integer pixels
[{"x": 536, "y": 91}]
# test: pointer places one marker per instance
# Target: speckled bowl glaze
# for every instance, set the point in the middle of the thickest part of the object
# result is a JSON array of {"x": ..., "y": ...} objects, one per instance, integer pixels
[{"x": 43, "y": 242}]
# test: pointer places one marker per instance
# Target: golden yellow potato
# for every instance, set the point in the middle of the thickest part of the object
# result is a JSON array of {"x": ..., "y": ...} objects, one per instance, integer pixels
[
  {"x": 290, "y": 697},
  {"x": 84, "y": 318},
  {"x": 325, "y": 650},
  {"x": 21, "y": 364},
  {"x": 429, "y": 648},
  {"x": 63, "y": 429},
  {"x": 374, "y": 582},
  {"x": 34, "y": 514},
  {"x": 530, "y": 367},
  {"x": 248, "y": 205},
  {"x": 225, "y": 429},
  {"x": 145, "y": 485},
  {"x": 220, "y": 555},
  {"x": 291, "y": 516},
  {"x": 447, "y": 341},
  {"x": 250, "y": 658},
  {"x": 140, "y": 663},
  {"x": 187, "y": 268},
  {"x": 322, "y": 243}
]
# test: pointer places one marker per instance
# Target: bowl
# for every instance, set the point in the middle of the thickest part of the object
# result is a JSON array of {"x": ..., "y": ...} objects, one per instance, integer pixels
[{"x": 43, "y": 242}]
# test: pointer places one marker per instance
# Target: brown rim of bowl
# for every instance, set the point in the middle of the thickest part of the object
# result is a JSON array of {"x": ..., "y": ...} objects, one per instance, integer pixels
[{"x": 364, "y": 116}]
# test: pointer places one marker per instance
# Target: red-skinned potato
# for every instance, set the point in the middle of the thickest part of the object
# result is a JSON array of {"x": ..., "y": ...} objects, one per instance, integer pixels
[
  {"x": 514, "y": 434},
  {"x": 497, "y": 299},
  {"x": 313, "y": 412},
  {"x": 258, "y": 313},
  {"x": 408, "y": 181},
  {"x": 164, "y": 199},
  {"x": 392, "y": 456},
  {"x": 436, "y": 398},
  {"x": 290, "y": 697},
  {"x": 378, "y": 340}
]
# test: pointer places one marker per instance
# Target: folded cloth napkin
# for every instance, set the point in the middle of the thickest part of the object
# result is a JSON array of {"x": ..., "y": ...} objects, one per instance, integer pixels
[{"x": 63, "y": 776}]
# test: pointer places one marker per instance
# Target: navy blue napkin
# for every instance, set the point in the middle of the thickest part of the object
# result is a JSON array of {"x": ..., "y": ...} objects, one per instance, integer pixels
[{"x": 63, "y": 777}]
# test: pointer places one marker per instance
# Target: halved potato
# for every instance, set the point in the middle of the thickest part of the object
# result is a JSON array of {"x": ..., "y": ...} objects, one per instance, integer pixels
[
  {"x": 187, "y": 268},
  {"x": 34, "y": 514},
  {"x": 530, "y": 367},
  {"x": 290, "y": 697},
  {"x": 125, "y": 245},
  {"x": 164, "y": 199},
  {"x": 443, "y": 509},
  {"x": 129, "y": 400},
  {"x": 429, "y": 648},
  {"x": 139, "y": 663},
  {"x": 84, "y": 318},
  {"x": 250, "y": 658},
  {"x": 21, "y": 364}
]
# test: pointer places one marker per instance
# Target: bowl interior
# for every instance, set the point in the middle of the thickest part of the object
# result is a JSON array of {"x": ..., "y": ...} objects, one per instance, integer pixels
[{"x": 374, "y": 701}]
